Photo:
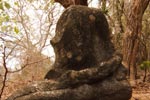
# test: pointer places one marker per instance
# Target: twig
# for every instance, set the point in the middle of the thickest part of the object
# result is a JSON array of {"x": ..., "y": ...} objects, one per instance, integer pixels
[{"x": 5, "y": 74}]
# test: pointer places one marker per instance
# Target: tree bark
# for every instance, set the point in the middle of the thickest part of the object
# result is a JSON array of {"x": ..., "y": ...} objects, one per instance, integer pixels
[
  {"x": 67, "y": 3},
  {"x": 133, "y": 31}
]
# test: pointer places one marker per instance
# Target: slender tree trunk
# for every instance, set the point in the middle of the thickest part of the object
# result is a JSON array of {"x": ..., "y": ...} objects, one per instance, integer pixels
[
  {"x": 118, "y": 24},
  {"x": 145, "y": 74},
  {"x": 133, "y": 32}
]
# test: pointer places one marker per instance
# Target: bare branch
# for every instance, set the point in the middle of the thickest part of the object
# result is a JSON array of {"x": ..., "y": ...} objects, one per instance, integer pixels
[{"x": 5, "y": 74}]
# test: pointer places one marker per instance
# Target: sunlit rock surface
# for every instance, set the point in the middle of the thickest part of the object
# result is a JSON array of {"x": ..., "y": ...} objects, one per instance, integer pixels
[{"x": 86, "y": 67}]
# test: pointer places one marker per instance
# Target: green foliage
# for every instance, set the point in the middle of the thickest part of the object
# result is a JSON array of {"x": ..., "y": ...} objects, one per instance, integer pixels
[
  {"x": 105, "y": 11},
  {"x": 16, "y": 30},
  {"x": 52, "y": 1},
  {"x": 4, "y": 4},
  {"x": 1, "y": 6},
  {"x": 145, "y": 65},
  {"x": 3, "y": 18},
  {"x": 16, "y": 3},
  {"x": 7, "y": 5},
  {"x": 30, "y": 1}
]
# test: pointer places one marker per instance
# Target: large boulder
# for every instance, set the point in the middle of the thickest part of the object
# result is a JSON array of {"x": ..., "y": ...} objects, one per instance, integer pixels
[{"x": 86, "y": 67}]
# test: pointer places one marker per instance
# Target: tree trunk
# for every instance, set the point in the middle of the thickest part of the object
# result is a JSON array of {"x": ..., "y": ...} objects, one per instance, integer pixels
[
  {"x": 118, "y": 24},
  {"x": 67, "y": 3},
  {"x": 133, "y": 32}
]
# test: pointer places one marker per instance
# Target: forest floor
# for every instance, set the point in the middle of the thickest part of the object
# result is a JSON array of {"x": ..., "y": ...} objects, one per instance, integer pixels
[{"x": 142, "y": 90}]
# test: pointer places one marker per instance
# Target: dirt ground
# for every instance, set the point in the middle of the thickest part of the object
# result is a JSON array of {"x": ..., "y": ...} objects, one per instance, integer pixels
[
  {"x": 141, "y": 95},
  {"x": 142, "y": 90}
]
